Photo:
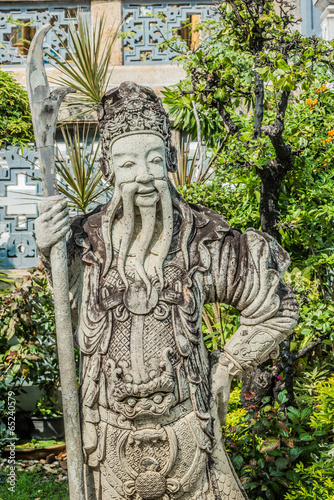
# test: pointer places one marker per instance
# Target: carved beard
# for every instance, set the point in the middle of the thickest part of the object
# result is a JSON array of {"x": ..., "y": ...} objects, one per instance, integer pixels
[{"x": 148, "y": 218}]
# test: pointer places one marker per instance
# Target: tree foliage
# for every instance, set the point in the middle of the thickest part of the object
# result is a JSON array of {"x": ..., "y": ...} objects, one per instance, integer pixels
[
  {"x": 250, "y": 65},
  {"x": 16, "y": 125}
]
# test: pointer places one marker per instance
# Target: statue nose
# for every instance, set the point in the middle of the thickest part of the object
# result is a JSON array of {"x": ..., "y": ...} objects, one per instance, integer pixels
[{"x": 144, "y": 178}]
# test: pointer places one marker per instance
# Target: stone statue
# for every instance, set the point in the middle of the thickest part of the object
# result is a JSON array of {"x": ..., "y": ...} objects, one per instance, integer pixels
[{"x": 141, "y": 267}]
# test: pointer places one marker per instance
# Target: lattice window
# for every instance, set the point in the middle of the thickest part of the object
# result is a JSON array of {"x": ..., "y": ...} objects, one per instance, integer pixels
[
  {"x": 18, "y": 197},
  {"x": 141, "y": 49},
  {"x": 20, "y": 192},
  {"x": 14, "y": 39}
]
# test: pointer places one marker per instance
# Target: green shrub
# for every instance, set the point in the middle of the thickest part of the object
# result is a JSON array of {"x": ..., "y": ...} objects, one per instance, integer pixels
[
  {"x": 28, "y": 336},
  {"x": 27, "y": 331},
  {"x": 323, "y": 416},
  {"x": 266, "y": 445},
  {"x": 235, "y": 415},
  {"x": 15, "y": 124},
  {"x": 316, "y": 481}
]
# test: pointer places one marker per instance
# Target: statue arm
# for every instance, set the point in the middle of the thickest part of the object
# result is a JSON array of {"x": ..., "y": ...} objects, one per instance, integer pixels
[
  {"x": 251, "y": 269},
  {"x": 247, "y": 272}
]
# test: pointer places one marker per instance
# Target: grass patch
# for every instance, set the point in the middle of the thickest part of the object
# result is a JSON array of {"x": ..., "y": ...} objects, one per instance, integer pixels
[
  {"x": 33, "y": 486},
  {"x": 34, "y": 443}
]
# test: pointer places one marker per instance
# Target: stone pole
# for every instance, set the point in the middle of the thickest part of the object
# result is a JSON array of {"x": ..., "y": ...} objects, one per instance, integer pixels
[{"x": 44, "y": 111}]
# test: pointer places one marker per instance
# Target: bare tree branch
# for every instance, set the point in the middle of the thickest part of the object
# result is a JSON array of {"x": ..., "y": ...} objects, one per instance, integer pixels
[
  {"x": 305, "y": 350},
  {"x": 199, "y": 165},
  {"x": 230, "y": 126}
]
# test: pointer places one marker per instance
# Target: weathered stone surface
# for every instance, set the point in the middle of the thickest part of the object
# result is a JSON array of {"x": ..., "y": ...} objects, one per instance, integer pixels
[{"x": 140, "y": 269}]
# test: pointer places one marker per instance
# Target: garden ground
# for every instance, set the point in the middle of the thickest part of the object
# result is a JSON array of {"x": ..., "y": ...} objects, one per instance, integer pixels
[{"x": 36, "y": 480}]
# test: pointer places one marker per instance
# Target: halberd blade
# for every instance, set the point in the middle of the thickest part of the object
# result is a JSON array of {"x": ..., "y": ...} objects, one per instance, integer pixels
[{"x": 44, "y": 107}]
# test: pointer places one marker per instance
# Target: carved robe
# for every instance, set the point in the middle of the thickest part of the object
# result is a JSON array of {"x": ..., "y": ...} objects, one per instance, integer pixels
[{"x": 152, "y": 400}]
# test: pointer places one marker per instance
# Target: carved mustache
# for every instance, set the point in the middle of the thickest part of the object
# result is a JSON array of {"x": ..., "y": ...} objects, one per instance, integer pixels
[
  {"x": 124, "y": 195},
  {"x": 148, "y": 216}
]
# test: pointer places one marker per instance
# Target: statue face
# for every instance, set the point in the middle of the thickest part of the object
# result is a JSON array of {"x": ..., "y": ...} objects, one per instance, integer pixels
[
  {"x": 139, "y": 163},
  {"x": 139, "y": 160}
]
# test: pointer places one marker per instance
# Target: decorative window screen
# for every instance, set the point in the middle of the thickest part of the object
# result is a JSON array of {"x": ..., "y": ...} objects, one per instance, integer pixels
[
  {"x": 141, "y": 49},
  {"x": 13, "y": 39},
  {"x": 20, "y": 192}
]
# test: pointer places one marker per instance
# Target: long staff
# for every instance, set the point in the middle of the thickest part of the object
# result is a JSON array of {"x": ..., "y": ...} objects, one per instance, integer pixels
[{"x": 44, "y": 111}]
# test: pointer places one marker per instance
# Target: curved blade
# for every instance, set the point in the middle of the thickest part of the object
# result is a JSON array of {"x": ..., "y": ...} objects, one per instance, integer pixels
[
  {"x": 44, "y": 110},
  {"x": 37, "y": 82}
]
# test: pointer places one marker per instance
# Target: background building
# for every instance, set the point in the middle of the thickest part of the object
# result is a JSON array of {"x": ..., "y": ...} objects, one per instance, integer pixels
[
  {"x": 134, "y": 58},
  {"x": 327, "y": 17}
]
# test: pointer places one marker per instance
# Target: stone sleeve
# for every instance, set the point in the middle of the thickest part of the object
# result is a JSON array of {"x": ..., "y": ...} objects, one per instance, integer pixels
[{"x": 248, "y": 274}]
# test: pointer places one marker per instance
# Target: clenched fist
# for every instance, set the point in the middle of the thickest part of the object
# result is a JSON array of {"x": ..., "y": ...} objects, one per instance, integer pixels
[{"x": 53, "y": 223}]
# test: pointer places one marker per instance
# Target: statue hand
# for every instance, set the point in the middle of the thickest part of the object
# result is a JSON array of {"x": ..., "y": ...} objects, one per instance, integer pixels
[
  {"x": 53, "y": 223},
  {"x": 223, "y": 374}
]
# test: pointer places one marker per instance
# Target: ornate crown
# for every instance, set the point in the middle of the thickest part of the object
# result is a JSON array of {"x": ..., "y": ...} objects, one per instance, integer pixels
[{"x": 132, "y": 109}]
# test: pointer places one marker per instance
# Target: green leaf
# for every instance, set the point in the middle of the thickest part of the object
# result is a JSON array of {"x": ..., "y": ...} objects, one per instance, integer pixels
[
  {"x": 246, "y": 136},
  {"x": 305, "y": 436},
  {"x": 283, "y": 65},
  {"x": 269, "y": 444},
  {"x": 281, "y": 463},
  {"x": 305, "y": 413},
  {"x": 282, "y": 397}
]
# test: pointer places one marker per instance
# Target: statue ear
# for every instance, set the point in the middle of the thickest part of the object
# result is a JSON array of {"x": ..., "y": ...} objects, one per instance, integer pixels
[
  {"x": 107, "y": 168},
  {"x": 172, "y": 160}
]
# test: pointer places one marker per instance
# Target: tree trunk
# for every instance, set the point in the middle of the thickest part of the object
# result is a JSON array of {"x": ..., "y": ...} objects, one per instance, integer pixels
[
  {"x": 271, "y": 181},
  {"x": 262, "y": 381},
  {"x": 256, "y": 385}
]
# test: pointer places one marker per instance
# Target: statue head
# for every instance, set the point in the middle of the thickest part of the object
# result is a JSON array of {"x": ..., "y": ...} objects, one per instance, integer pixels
[
  {"x": 127, "y": 111},
  {"x": 136, "y": 156}
]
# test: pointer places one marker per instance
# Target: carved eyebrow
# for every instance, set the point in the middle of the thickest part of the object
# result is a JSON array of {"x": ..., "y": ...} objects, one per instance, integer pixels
[
  {"x": 126, "y": 154},
  {"x": 134, "y": 154},
  {"x": 156, "y": 151}
]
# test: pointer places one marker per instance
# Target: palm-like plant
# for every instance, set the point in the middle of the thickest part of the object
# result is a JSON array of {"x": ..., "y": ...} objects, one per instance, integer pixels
[
  {"x": 87, "y": 64},
  {"x": 80, "y": 176},
  {"x": 191, "y": 170},
  {"x": 220, "y": 323}
]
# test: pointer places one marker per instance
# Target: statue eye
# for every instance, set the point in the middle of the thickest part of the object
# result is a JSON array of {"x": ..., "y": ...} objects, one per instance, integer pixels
[
  {"x": 127, "y": 164},
  {"x": 157, "y": 159}
]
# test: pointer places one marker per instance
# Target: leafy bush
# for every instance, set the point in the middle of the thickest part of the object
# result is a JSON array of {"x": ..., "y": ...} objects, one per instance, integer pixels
[
  {"x": 236, "y": 415},
  {"x": 306, "y": 383},
  {"x": 28, "y": 335},
  {"x": 316, "y": 482},
  {"x": 16, "y": 125},
  {"x": 316, "y": 316},
  {"x": 265, "y": 445},
  {"x": 323, "y": 416}
]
